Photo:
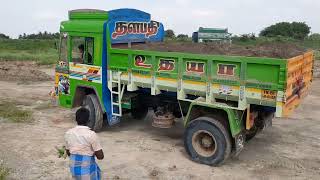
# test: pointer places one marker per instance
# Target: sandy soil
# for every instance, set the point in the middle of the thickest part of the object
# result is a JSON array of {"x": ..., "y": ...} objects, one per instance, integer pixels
[
  {"x": 135, "y": 150},
  {"x": 272, "y": 50},
  {"x": 22, "y": 71}
]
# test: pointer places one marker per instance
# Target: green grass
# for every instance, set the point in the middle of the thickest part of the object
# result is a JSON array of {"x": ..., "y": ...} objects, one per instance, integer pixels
[
  {"x": 4, "y": 171},
  {"x": 44, "y": 52},
  {"x": 12, "y": 113}
]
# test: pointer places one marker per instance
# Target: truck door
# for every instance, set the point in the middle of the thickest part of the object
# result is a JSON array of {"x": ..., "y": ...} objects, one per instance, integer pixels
[{"x": 84, "y": 64}]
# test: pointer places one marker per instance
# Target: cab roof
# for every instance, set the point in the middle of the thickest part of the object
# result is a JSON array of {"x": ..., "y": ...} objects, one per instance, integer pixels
[{"x": 85, "y": 20}]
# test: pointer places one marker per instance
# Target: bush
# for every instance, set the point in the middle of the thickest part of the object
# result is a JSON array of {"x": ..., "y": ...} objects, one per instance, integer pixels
[
  {"x": 169, "y": 34},
  {"x": 314, "y": 37},
  {"x": 296, "y": 30},
  {"x": 3, "y": 36},
  {"x": 182, "y": 37},
  {"x": 247, "y": 37}
]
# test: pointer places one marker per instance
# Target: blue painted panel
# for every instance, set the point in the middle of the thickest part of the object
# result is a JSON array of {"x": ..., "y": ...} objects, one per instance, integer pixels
[
  {"x": 125, "y": 13},
  {"x": 131, "y": 25},
  {"x": 105, "y": 90}
]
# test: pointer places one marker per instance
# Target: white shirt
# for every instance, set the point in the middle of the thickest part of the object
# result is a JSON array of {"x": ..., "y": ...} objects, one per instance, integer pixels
[{"x": 81, "y": 140}]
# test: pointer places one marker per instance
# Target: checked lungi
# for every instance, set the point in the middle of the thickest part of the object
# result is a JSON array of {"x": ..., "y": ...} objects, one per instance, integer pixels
[{"x": 84, "y": 167}]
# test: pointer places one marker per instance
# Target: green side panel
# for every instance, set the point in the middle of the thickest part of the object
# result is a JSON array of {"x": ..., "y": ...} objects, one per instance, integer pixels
[
  {"x": 98, "y": 49},
  {"x": 253, "y": 72},
  {"x": 74, "y": 83},
  {"x": 119, "y": 62},
  {"x": 147, "y": 63},
  {"x": 92, "y": 26},
  {"x": 222, "y": 77},
  {"x": 263, "y": 76},
  {"x": 166, "y": 67},
  {"x": 236, "y": 126},
  {"x": 191, "y": 65},
  {"x": 65, "y": 101},
  {"x": 257, "y": 72},
  {"x": 235, "y": 70}
]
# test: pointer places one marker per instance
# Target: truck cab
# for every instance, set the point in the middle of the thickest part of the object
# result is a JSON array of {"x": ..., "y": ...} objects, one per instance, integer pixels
[{"x": 82, "y": 69}]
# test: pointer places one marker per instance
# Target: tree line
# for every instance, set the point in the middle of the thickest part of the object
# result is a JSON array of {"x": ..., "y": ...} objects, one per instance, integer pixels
[
  {"x": 39, "y": 35},
  {"x": 294, "y": 30}
]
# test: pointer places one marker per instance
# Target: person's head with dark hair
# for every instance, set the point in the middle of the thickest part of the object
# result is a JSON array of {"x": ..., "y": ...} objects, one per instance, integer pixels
[
  {"x": 82, "y": 116},
  {"x": 81, "y": 48}
]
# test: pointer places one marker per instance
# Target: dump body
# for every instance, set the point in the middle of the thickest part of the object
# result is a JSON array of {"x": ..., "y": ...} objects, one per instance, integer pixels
[{"x": 271, "y": 82}]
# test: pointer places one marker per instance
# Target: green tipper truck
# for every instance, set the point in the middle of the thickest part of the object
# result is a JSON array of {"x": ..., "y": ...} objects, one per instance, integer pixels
[{"x": 223, "y": 100}]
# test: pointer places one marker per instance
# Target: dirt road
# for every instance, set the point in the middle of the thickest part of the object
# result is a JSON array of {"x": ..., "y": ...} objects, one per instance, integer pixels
[{"x": 135, "y": 150}]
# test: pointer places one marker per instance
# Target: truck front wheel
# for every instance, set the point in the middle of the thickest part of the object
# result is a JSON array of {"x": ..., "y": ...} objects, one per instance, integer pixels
[
  {"x": 91, "y": 102},
  {"x": 207, "y": 141}
]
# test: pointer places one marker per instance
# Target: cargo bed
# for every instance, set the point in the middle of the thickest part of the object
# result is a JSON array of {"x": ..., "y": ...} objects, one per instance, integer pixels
[
  {"x": 271, "y": 50},
  {"x": 279, "y": 83}
]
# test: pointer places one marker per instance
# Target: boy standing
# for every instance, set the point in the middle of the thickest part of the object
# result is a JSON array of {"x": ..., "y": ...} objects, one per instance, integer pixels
[{"x": 82, "y": 146}]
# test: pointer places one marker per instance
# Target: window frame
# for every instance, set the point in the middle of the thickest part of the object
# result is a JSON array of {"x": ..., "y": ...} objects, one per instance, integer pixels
[
  {"x": 65, "y": 37},
  {"x": 86, "y": 49}
]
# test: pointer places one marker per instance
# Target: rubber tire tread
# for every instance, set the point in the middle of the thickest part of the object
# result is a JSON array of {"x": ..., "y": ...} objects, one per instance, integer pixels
[
  {"x": 96, "y": 115},
  {"x": 218, "y": 131}
]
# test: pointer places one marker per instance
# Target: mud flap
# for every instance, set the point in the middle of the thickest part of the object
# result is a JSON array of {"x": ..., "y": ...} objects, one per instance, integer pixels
[
  {"x": 268, "y": 121},
  {"x": 239, "y": 141}
]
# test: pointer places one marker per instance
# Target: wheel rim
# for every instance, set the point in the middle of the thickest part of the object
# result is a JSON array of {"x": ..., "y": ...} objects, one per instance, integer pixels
[{"x": 204, "y": 143}]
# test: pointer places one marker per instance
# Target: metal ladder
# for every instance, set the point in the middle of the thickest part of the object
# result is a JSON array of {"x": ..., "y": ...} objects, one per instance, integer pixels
[{"x": 116, "y": 96}]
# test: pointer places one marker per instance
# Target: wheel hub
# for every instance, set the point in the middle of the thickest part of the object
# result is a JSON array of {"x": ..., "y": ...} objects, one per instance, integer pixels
[{"x": 204, "y": 143}]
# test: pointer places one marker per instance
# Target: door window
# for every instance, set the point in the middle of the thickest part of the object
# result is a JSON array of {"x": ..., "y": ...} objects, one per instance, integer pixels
[
  {"x": 82, "y": 50},
  {"x": 62, "y": 65}
]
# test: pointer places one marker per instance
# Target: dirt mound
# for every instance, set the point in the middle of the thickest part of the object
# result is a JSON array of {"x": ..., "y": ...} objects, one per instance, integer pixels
[
  {"x": 272, "y": 50},
  {"x": 22, "y": 71}
]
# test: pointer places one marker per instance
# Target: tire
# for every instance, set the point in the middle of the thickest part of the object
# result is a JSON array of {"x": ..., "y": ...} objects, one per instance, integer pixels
[
  {"x": 251, "y": 133},
  {"x": 207, "y": 132},
  {"x": 91, "y": 102}
]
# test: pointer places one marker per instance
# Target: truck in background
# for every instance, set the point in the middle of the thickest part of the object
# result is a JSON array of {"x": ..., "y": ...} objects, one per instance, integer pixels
[
  {"x": 212, "y": 35},
  {"x": 223, "y": 100}
]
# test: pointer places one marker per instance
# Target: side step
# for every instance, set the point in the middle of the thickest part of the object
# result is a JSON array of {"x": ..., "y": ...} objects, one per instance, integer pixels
[{"x": 116, "y": 96}]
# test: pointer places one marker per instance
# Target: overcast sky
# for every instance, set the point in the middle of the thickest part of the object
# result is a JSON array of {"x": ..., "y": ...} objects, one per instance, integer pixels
[{"x": 183, "y": 16}]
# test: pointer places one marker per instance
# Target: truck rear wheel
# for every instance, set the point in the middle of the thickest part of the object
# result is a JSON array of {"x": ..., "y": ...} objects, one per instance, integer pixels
[
  {"x": 91, "y": 102},
  {"x": 207, "y": 141}
]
